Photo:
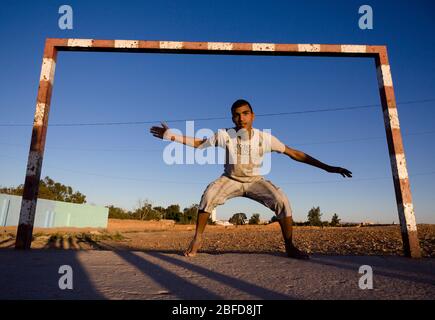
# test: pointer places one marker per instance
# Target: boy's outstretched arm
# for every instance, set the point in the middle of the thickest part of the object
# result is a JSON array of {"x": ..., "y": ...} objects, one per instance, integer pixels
[
  {"x": 163, "y": 132},
  {"x": 303, "y": 157}
]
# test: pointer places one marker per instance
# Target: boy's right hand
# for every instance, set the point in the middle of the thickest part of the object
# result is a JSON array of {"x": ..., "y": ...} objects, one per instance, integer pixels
[{"x": 159, "y": 132}]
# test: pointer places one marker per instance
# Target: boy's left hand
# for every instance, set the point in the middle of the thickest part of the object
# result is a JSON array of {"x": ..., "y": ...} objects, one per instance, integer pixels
[{"x": 344, "y": 172}]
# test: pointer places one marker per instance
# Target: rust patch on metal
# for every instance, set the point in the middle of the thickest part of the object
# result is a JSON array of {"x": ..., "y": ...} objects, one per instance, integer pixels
[
  {"x": 57, "y": 42},
  {"x": 397, "y": 141},
  {"x": 383, "y": 57},
  {"x": 43, "y": 136},
  {"x": 406, "y": 190},
  {"x": 50, "y": 52},
  {"x": 24, "y": 236},
  {"x": 286, "y": 47},
  {"x": 239, "y": 46},
  {"x": 103, "y": 43},
  {"x": 44, "y": 92},
  {"x": 149, "y": 44},
  {"x": 38, "y": 138},
  {"x": 411, "y": 245},
  {"x": 388, "y": 99},
  {"x": 391, "y": 99},
  {"x": 381, "y": 51},
  {"x": 31, "y": 187},
  {"x": 330, "y": 48},
  {"x": 51, "y": 44},
  {"x": 195, "y": 45}
]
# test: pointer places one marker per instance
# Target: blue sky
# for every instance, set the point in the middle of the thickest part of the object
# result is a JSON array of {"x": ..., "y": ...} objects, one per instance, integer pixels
[{"x": 121, "y": 164}]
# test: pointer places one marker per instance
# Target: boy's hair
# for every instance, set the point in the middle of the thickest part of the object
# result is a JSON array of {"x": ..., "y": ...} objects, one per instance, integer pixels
[{"x": 240, "y": 103}]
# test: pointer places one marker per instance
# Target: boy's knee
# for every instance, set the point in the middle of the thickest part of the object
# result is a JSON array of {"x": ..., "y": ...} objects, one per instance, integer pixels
[
  {"x": 206, "y": 207},
  {"x": 282, "y": 208}
]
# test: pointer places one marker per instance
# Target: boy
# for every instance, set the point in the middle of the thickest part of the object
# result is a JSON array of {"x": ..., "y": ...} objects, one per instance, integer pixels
[{"x": 245, "y": 147}]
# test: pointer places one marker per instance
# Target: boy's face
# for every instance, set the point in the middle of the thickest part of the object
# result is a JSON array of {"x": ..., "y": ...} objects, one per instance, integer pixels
[{"x": 243, "y": 117}]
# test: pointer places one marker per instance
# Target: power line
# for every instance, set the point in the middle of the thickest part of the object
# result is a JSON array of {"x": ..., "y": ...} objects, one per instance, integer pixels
[
  {"x": 358, "y": 179},
  {"x": 204, "y": 182},
  {"x": 123, "y": 149},
  {"x": 363, "y": 139},
  {"x": 218, "y": 118}
]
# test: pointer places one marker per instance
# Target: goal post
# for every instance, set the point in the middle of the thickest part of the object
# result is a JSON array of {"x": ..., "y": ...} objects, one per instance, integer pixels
[{"x": 396, "y": 151}]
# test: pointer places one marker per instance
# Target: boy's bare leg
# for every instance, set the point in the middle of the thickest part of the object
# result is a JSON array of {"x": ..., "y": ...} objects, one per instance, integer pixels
[
  {"x": 287, "y": 233},
  {"x": 201, "y": 222}
]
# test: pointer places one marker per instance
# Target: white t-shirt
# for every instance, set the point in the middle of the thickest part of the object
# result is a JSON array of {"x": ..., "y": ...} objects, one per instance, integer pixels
[{"x": 243, "y": 156}]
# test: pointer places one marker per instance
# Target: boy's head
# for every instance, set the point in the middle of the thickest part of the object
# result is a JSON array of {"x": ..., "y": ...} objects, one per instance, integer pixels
[{"x": 242, "y": 113}]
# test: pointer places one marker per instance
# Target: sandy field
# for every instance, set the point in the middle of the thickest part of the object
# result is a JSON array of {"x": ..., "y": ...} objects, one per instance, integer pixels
[{"x": 166, "y": 236}]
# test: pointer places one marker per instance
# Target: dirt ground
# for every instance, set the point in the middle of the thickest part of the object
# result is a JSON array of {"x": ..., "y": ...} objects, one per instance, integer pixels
[
  {"x": 166, "y": 236},
  {"x": 156, "y": 275},
  {"x": 143, "y": 260}
]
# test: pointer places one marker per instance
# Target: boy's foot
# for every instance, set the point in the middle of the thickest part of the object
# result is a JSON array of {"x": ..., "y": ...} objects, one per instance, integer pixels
[
  {"x": 193, "y": 247},
  {"x": 293, "y": 252}
]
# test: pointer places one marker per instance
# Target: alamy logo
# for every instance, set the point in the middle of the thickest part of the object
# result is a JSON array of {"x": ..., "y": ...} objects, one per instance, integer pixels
[
  {"x": 226, "y": 146},
  {"x": 366, "y": 280},
  {"x": 66, "y": 280},
  {"x": 366, "y": 20},
  {"x": 66, "y": 20}
]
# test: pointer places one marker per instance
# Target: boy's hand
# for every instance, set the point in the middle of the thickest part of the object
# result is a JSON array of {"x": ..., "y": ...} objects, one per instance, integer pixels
[
  {"x": 159, "y": 132},
  {"x": 344, "y": 172}
]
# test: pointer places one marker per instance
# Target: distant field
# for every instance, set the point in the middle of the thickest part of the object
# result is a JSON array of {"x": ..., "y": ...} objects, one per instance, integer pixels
[{"x": 166, "y": 236}]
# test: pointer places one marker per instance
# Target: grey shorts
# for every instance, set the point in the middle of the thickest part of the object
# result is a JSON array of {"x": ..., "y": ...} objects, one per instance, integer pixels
[{"x": 262, "y": 191}]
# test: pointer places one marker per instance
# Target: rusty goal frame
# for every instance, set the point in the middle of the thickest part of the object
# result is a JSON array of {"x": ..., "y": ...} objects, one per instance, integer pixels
[{"x": 379, "y": 53}]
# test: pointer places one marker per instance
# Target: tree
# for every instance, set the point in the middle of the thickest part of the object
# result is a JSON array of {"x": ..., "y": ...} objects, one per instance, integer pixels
[
  {"x": 273, "y": 219},
  {"x": 118, "y": 213},
  {"x": 144, "y": 211},
  {"x": 172, "y": 212},
  {"x": 190, "y": 214},
  {"x": 238, "y": 218},
  {"x": 255, "y": 219},
  {"x": 161, "y": 211},
  {"x": 314, "y": 217},
  {"x": 50, "y": 190},
  {"x": 335, "y": 221}
]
